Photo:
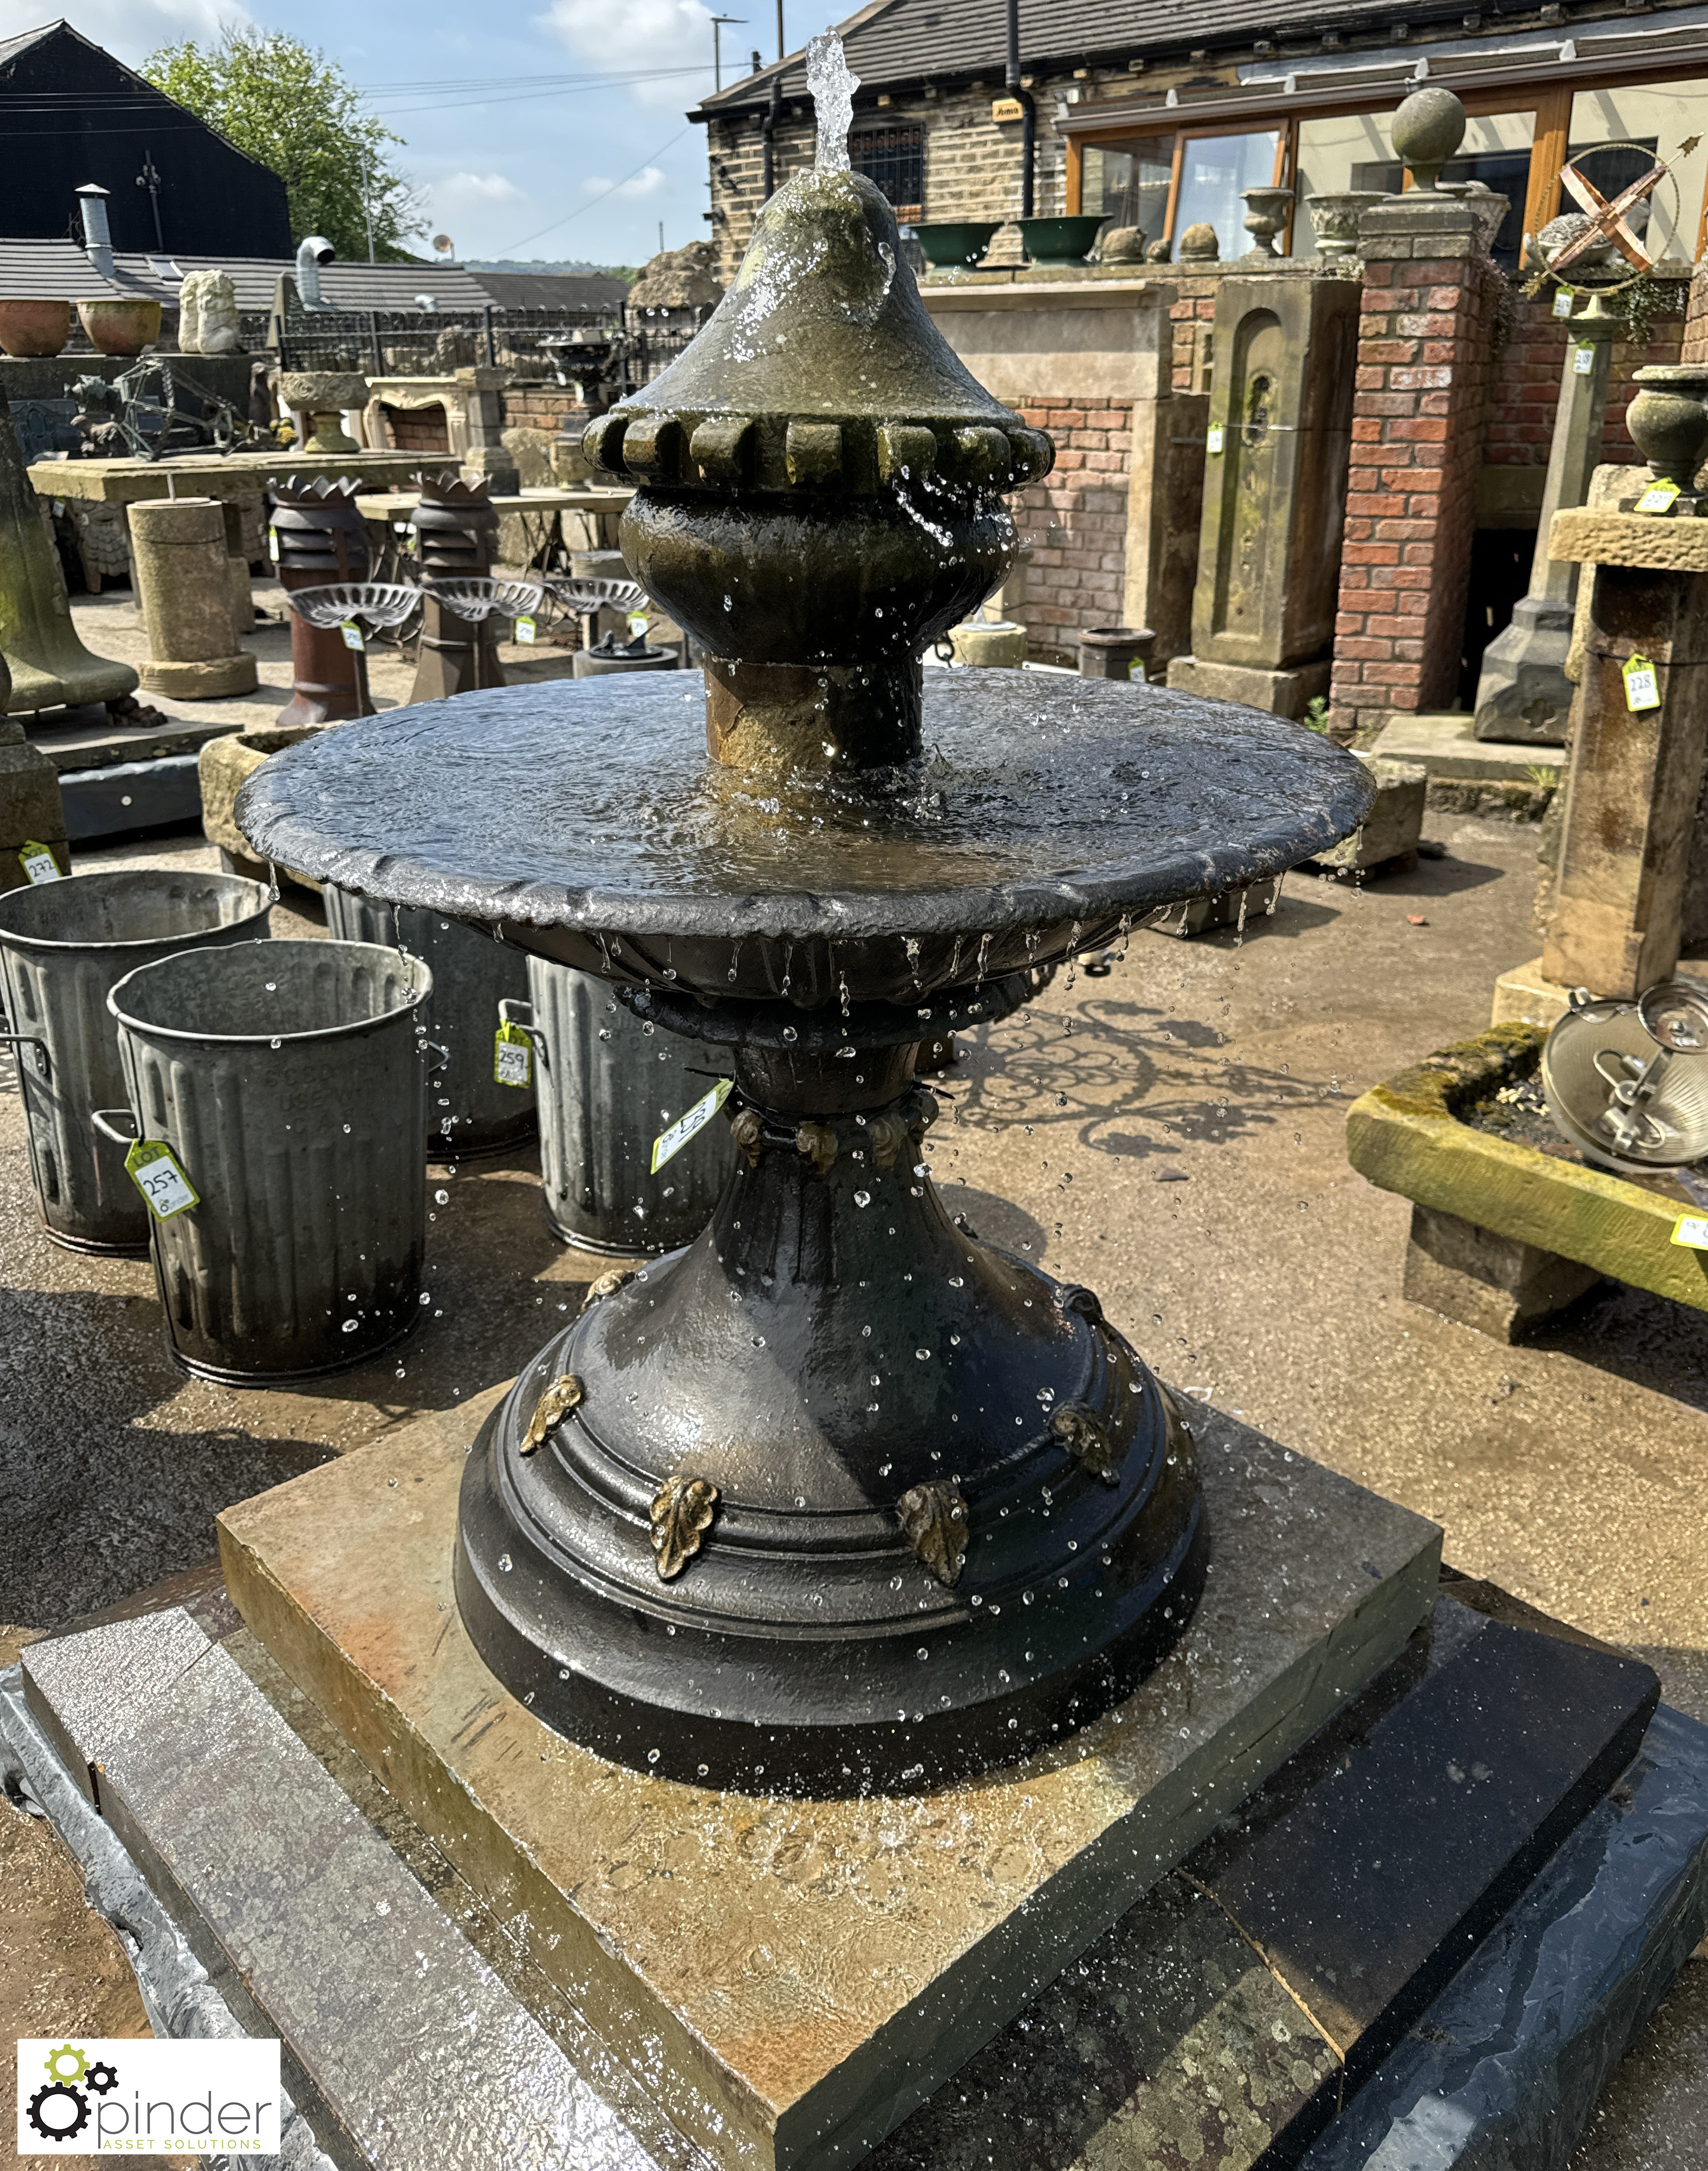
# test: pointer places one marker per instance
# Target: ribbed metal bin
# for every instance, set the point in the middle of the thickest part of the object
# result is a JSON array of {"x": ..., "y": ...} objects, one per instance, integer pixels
[
  {"x": 63, "y": 947},
  {"x": 469, "y": 1112},
  {"x": 291, "y": 1082},
  {"x": 603, "y": 1091}
]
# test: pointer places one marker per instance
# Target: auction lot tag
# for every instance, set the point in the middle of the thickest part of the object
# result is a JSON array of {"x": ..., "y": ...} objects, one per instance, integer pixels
[
  {"x": 670, "y": 1142},
  {"x": 1658, "y": 496},
  {"x": 1642, "y": 686},
  {"x": 1582, "y": 361},
  {"x": 1691, "y": 1231},
  {"x": 153, "y": 1167},
  {"x": 513, "y": 1056},
  {"x": 1212, "y": 443},
  {"x": 1562, "y": 303},
  {"x": 352, "y": 634},
  {"x": 273, "y": 544},
  {"x": 526, "y": 629},
  {"x": 38, "y": 862}
]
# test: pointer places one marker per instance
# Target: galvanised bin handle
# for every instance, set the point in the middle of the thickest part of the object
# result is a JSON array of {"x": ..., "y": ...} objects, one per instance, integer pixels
[
  {"x": 441, "y": 1052},
  {"x": 508, "y": 1007},
  {"x": 98, "y": 1117},
  {"x": 44, "y": 1067}
]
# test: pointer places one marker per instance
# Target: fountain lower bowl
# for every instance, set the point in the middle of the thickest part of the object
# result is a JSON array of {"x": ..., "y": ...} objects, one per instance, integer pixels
[
  {"x": 587, "y": 824},
  {"x": 838, "y": 1499}
]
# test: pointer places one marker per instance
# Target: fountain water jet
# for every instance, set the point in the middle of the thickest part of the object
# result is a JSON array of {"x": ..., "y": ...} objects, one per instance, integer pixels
[{"x": 838, "y": 1497}]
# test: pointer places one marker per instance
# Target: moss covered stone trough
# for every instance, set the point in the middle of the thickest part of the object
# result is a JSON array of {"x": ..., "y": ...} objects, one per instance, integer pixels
[{"x": 1504, "y": 1232}]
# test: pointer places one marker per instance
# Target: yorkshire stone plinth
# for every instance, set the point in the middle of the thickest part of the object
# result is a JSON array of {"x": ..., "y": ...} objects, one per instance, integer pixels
[{"x": 791, "y": 1978}]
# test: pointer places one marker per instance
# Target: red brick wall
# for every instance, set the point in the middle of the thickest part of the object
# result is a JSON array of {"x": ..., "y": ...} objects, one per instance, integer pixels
[
  {"x": 543, "y": 407},
  {"x": 1424, "y": 370},
  {"x": 1527, "y": 384},
  {"x": 1076, "y": 520}
]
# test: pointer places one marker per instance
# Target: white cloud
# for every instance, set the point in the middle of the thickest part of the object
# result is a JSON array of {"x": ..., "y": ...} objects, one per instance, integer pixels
[
  {"x": 131, "y": 29},
  {"x": 647, "y": 183},
  {"x": 458, "y": 191},
  {"x": 656, "y": 33}
]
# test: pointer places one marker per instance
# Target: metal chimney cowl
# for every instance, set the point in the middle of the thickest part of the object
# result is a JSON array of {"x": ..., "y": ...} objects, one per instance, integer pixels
[{"x": 96, "y": 232}]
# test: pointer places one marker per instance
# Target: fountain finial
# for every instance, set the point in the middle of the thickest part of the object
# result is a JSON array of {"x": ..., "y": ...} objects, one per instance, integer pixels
[
  {"x": 831, "y": 85},
  {"x": 821, "y": 477}
]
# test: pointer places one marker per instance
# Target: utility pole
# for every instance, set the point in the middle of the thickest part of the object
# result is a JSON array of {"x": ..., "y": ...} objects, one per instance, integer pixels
[
  {"x": 781, "y": 47},
  {"x": 368, "y": 199},
  {"x": 717, "y": 23},
  {"x": 149, "y": 178}
]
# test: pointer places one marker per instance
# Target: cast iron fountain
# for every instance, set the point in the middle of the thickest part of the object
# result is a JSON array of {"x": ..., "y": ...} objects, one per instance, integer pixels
[{"x": 838, "y": 1497}]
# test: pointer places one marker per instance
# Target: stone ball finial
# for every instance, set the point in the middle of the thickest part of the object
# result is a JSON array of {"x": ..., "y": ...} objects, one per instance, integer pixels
[
  {"x": 1198, "y": 244},
  {"x": 1425, "y": 132}
]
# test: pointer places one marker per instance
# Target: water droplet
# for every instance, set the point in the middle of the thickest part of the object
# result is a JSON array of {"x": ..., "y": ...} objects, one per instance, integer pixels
[
  {"x": 504, "y": 1564},
  {"x": 863, "y": 1199},
  {"x": 351, "y": 1326},
  {"x": 442, "y": 1198}
]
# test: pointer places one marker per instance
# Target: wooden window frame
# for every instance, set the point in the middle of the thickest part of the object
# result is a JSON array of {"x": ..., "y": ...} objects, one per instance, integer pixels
[{"x": 1549, "y": 108}]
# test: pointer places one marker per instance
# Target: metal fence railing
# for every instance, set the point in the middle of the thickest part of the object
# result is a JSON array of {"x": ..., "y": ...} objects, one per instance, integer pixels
[{"x": 617, "y": 348}]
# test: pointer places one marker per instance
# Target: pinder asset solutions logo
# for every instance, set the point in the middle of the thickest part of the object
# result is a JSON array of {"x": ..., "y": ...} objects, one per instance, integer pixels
[{"x": 120, "y": 2095}]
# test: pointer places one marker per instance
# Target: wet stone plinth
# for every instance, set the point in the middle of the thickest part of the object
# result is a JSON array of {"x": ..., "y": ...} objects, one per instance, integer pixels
[{"x": 789, "y": 1978}]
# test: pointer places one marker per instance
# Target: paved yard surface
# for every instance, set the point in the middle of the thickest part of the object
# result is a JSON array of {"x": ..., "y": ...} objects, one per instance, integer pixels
[{"x": 1171, "y": 1134}]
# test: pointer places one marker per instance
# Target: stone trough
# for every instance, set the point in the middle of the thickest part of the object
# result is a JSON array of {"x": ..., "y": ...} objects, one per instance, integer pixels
[{"x": 1504, "y": 1231}]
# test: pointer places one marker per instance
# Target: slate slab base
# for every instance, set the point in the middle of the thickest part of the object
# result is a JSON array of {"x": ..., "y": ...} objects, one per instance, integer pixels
[
  {"x": 322, "y": 1914},
  {"x": 791, "y": 1978}
]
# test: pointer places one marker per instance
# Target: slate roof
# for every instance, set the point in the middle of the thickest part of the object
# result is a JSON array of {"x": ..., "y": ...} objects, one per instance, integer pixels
[
  {"x": 552, "y": 290},
  {"x": 890, "y": 43},
  {"x": 33, "y": 269}
]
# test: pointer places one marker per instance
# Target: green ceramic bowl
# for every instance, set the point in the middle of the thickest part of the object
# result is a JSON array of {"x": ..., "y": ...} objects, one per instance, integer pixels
[
  {"x": 956, "y": 242},
  {"x": 1056, "y": 243}
]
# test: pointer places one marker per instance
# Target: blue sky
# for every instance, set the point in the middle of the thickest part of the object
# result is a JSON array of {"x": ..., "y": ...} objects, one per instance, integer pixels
[{"x": 539, "y": 137}]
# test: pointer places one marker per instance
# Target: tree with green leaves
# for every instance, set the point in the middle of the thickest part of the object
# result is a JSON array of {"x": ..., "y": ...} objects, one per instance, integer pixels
[{"x": 295, "y": 110}]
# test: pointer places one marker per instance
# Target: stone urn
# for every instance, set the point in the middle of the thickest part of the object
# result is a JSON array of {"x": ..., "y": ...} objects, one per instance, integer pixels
[
  {"x": 119, "y": 324},
  {"x": 1425, "y": 132},
  {"x": 1334, "y": 219},
  {"x": 1265, "y": 217},
  {"x": 323, "y": 395},
  {"x": 1668, "y": 420},
  {"x": 1485, "y": 207},
  {"x": 35, "y": 328}
]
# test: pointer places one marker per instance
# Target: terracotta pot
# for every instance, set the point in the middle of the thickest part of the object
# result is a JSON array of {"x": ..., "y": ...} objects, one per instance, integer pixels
[
  {"x": 35, "y": 328},
  {"x": 121, "y": 324}
]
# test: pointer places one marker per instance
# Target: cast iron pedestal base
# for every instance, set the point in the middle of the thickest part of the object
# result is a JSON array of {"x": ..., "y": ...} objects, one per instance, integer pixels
[{"x": 838, "y": 1497}]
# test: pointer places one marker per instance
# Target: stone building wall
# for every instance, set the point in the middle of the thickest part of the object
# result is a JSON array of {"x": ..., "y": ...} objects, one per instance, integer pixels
[{"x": 972, "y": 164}]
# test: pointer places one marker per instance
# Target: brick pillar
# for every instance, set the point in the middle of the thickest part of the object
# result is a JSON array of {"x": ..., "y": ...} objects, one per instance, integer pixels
[{"x": 1425, "y": 348}]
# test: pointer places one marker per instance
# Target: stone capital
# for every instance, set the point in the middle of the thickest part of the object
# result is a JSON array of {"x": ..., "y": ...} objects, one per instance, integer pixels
[{"x": 1410, "y": 217}]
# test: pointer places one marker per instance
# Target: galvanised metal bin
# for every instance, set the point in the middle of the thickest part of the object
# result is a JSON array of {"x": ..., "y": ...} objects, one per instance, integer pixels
[
  {"x": 63, "y": 947},
  {"x": 603, "y": 1093},
  {"x": 290, "y": 1080},
  {"x": 469, "y": 1113}
]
